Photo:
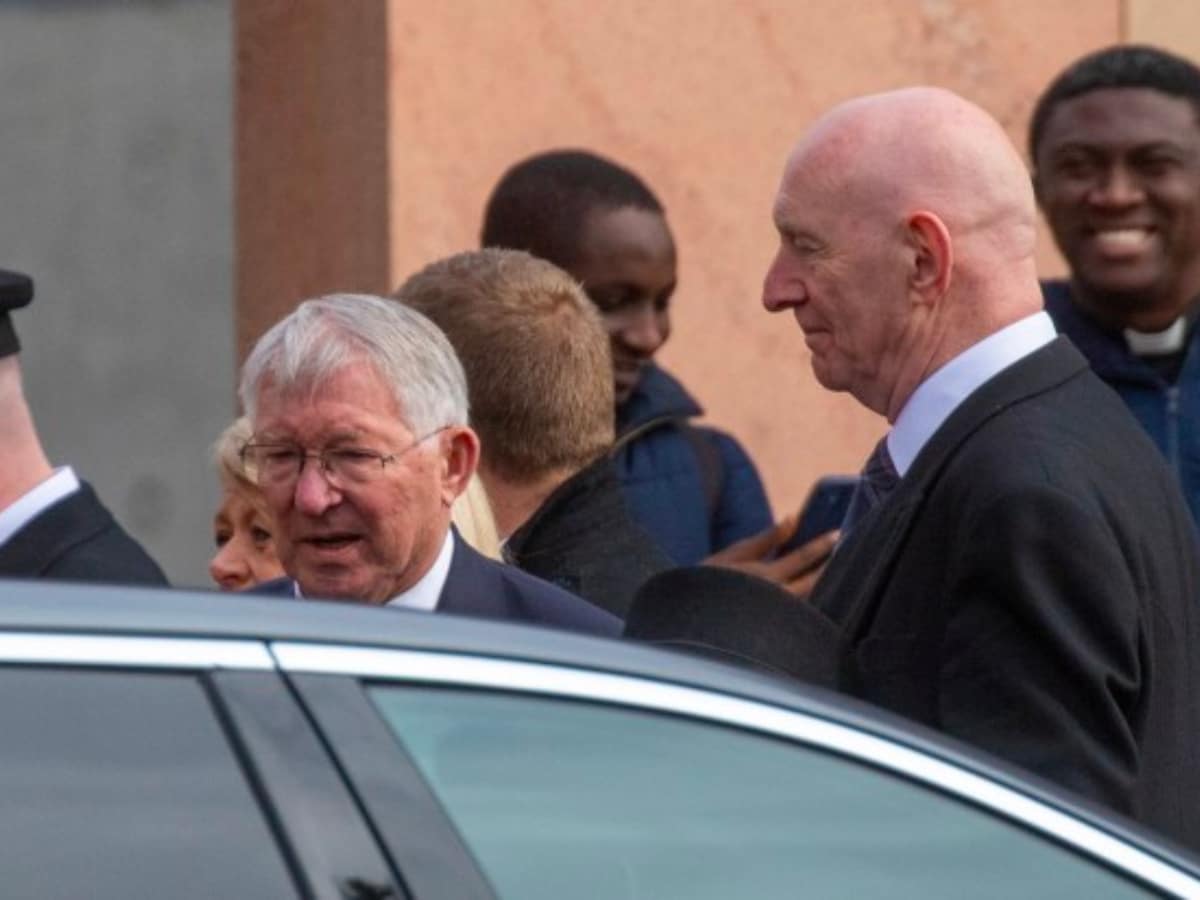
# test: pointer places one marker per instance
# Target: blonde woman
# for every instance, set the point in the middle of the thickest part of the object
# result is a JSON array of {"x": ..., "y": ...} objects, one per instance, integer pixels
[{"x": 242, "y": 527}]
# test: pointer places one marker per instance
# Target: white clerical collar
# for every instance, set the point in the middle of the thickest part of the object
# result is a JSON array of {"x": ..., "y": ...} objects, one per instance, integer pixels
[
  {"x": 1157, "y": 343},
  {"x": 426, "y": 592},
  {"x": 941, "y": 393},
  {"x": 17, "y": 515}
]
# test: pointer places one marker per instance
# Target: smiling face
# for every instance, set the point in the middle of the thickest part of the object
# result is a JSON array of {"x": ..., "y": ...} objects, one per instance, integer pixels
[
  {"x": 626, "y": 263},
  {"x": 245, "y": 553},
  {"x": 1118, "y": 178},
  {"x": 838, "y": 270},
  {"x": 365, "y": 542}
]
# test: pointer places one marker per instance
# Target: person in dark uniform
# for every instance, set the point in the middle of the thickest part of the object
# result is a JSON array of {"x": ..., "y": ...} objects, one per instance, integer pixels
[{"x": 52, "y": 525}]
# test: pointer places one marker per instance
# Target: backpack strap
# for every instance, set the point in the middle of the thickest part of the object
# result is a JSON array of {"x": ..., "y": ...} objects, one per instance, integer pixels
[
  {"x": 712, "y": 470},
  {"x": 704, "y": 449}
]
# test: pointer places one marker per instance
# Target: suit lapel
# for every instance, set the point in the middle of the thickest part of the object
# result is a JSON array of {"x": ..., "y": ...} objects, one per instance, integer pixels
[
  {"x": 858, "y": 574},
  {"x": 861, "y": 566},
  {"x": 1040, "y": 371},
  {"x": 472, "y": 587}
]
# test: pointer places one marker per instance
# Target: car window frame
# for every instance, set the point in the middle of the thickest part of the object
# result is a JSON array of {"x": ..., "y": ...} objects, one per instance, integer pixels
[{"x": 392, "y": 791}]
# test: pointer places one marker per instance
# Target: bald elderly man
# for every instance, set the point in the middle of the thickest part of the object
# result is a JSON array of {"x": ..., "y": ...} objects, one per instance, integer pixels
[{"x": 1020, "y": 569}]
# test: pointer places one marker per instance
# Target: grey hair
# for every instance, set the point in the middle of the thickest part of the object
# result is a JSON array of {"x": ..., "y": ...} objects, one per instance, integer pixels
[{"x": 326, "y": 334}]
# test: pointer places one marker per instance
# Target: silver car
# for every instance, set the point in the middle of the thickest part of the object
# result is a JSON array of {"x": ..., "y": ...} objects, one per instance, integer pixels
[{"x": 161, "y": 744}]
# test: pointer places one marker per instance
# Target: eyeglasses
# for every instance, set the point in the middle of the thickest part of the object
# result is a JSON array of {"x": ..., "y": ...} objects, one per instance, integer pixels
[{"x": 279, "y": 465}]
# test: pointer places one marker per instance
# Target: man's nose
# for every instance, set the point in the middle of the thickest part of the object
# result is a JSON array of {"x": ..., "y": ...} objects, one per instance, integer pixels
[
  {"x": 1117, "y": 186},
  {"x": 643, "y": 331},
  {"x": 313, "y": 493},
  {"x": 779, "y": 289},
  {"x": 229, "y": 569}
]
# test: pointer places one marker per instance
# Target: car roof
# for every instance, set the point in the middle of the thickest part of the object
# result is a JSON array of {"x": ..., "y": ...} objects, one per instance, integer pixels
[{"x": 44, "y": 606}]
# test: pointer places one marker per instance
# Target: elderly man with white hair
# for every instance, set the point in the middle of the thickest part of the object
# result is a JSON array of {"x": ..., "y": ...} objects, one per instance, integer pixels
[{"x": 361, "y": 444}]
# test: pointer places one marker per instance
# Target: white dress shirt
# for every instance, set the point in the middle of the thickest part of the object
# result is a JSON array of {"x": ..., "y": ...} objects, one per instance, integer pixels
[
  {"x": 426, "y": 592},
  {"x": 17, "y": 515},
  {"x": 942, "y": 392}
]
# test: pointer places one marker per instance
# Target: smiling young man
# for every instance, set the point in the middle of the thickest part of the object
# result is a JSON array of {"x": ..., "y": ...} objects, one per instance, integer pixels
[
  {"x": 360, "y": 445},
  {"x": 1115, "y": 143}
]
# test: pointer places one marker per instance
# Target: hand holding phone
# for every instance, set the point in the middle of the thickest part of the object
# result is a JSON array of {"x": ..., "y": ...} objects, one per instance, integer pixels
[
  {"x": 823, "y": 510},
  {"x": 783, "y": 561}
]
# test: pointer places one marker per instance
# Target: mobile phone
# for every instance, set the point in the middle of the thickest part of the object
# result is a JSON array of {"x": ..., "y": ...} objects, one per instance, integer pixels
[{"x": 823, "y": 511}]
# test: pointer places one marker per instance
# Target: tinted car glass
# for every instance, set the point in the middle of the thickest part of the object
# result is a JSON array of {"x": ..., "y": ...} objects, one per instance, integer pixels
[
  {"x": 122, "y": 785},
  {"x": 567, "y": 799}
]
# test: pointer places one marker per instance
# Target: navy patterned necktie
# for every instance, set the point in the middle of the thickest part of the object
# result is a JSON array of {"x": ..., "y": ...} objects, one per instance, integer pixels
[{"x": 879, "y": 478}]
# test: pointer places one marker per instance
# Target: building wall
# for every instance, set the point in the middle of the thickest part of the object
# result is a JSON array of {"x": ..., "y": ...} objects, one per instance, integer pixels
[
  {"x": 1173, "y": 24},
  {"x": 116, "y": 179},
  {"x": 368, "y": 134},
  {"x": 704, "y": 99}
]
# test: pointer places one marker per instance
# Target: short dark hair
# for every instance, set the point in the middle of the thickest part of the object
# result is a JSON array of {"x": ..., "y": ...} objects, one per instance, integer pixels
[
  {"x": 540, "y": 204},
  {"x": 1123, "y": 66}
]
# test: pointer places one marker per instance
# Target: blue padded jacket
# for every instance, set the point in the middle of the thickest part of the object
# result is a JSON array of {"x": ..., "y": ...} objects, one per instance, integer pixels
[
  {"x": 693, "y": 488},
  {"x": 1169, "y": 413}
]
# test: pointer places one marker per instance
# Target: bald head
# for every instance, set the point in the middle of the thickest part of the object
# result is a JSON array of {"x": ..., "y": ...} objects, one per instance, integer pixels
[
  {"x": 925, "y": 192},
  {"x": 926, "y": 148}
]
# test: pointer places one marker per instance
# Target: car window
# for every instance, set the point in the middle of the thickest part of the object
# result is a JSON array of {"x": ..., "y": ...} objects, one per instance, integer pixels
[
  {"x": 122, "y": 785},
  {"x": 567, "y": 799}
]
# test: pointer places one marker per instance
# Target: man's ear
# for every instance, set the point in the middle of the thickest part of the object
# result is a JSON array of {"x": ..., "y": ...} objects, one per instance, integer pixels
[
  {"x": 933, "y": 255},
  {"x": 460, "y": 458}
]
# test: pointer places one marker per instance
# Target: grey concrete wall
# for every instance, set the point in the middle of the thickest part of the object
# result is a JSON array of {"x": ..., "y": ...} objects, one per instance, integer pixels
[{"x": 116, "y": 196}]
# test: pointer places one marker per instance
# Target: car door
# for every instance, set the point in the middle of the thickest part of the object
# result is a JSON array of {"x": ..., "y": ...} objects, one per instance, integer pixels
[
  {"x": 566, "y": 782},
  {"x": 136, "y": 767}
]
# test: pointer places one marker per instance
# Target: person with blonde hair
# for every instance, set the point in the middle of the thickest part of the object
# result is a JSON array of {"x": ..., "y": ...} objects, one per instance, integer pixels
[
  {"x": 471, "y": 513},
  {"x": 242, "y": 526}
]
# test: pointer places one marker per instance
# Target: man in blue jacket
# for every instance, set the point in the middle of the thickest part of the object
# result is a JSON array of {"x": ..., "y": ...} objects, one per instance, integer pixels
[
  {"x": 1115, "y": 143},
  {"x": 693, "y": 488}
]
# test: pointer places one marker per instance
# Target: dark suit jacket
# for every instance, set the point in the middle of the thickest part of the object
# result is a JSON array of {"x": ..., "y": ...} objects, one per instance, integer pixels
[
  {"x": 1031, "y": 587},
  {"x": 77, "y": 539},
  {"x": 583, "y": 539},
  {"x": 478, "y": 586}
]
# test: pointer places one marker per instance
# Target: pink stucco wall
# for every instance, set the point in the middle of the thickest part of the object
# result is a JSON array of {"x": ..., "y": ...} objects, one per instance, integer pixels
[{"x": 704, "y": 99}]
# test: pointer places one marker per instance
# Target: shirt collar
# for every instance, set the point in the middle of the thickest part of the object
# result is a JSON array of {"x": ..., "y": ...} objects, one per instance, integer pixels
[
  {"x": 1158, "y": 343},
  {"x": 426, "y": 592},
  {"x": 942, "y": 392},
  {"x": 17, "y": 515}
]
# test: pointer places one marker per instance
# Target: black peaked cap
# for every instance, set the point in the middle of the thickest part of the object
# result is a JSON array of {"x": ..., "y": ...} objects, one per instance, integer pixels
[{"x": 16, "y": 290}]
